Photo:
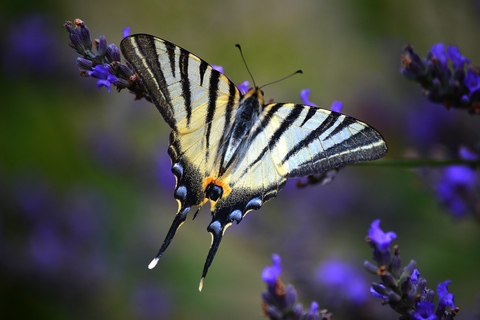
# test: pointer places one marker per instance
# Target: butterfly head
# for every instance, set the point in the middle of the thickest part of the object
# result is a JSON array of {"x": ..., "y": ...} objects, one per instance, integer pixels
[{"x": 254, "y": 93}]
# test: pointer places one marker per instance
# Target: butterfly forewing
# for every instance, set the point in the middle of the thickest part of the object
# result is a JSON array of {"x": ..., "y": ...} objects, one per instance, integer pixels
[
  {"x": 188, "y": 92},
  {"x": 318, "y": 140}
]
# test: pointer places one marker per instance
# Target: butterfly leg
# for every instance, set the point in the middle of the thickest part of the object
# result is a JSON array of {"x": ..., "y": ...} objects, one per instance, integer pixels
[{"x": 177, "y": 222}]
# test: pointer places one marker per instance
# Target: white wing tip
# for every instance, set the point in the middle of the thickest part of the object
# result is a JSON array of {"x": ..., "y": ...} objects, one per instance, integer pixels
[
  {"x": 200, "y": 286},
  {"x": 153, "y": 263}
]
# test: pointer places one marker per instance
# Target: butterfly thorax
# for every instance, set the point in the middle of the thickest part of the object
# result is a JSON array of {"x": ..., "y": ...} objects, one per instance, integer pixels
[{"x": 236, "y": 141}]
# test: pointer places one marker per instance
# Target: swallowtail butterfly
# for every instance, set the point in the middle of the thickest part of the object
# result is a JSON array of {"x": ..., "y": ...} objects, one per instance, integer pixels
[{"x": 231, "y": 149}]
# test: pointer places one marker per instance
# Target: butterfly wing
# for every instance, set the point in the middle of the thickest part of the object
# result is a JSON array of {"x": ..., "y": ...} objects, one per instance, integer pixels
[
  {"x": 293, "y": 140},
  {"x": 317, "y": 140},
  {"x": 289, "y": 140},
  {"x": 197, "y": 102}
]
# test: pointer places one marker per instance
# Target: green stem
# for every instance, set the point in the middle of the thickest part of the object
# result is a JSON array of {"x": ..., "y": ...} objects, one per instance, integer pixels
[{"x": 415, "y": 163}]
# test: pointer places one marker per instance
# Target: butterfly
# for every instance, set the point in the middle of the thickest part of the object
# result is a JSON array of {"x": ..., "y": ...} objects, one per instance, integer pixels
[{"x": 231, "y": 149}]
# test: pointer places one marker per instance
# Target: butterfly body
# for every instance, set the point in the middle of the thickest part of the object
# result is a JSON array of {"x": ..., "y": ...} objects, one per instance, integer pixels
[{"x": 233, "y": 150}]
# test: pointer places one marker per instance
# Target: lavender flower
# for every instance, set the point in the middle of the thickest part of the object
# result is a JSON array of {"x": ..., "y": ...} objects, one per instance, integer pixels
[
  {"x": 304, "y": 96},
  {"x": 342, "y": 281},
  {"x": 244, "y": 86},
  {"x": 443, "y": 77},
  {"x": 337, "y": 106},
  {"x": 279, "y": 301},
  {"x": 102, "y": 61},
  {"x": 446, "y": 299},
  {"x": 218, "y": 68},
  {"x": 403, "y": 288},
  {"x": 105, "y": 78},
  {"x": 458, "y": 187},
  {"x": 380, "y": 238},
  {"x": 425, "y": 311}
]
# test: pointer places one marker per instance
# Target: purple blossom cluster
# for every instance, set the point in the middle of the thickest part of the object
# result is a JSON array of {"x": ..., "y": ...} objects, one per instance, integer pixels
[
  {"x": 401, "y": 287},
  {"x": 102, "y": 61},
  {"x": 443, "y": 77},
  {"x": 279, "y": 301},
  {"x": 458, "y": 188}
]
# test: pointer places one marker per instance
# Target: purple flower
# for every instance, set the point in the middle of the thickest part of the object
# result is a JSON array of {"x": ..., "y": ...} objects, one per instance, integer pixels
[
  {"x": 126, "y": 32},
  {"x": 279, "y": 301},
  {"x": 442, "y": 76},
  {"x": 271, "y": 273},
  {"x": 104, "y": 64},
  {"x": 467, "y": 154},
  {"x": 337, "y": 106},
  {"x": 304, "y": 96},
  {"x": 376, "y": 294},
  {"x": 414, "y": 276},
  {"x": 412, "y": 65},
  {"x": 425, "y": 311},
  {"x": 105, "y": 78},
  {"x": 457, "y": 187},
  {"x": 218, "y": 68},
  {"x": 403, "y": 289},
  {"x": 379, "y": 237},
  {"x": 458, "y": 61},
  {"x": 472, "y": 81},
  {"x": 312, "y": 314},
  {"x": 438, "y": 52},
  {"x": 244, "y": 86},
  {"x": 342, "y": 281},
  {"x": 445, "y": 297}
]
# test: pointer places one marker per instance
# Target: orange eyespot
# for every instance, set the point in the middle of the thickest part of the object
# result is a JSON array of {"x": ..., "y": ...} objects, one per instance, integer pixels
[{"x": 210, "y": 181}]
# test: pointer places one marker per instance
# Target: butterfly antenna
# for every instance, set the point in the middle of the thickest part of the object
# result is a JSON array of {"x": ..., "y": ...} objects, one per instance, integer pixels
[
  {"x": 286, "y": 77},
  {"x": 177, "y": 222},
  {"x": 245, "y": 63}
]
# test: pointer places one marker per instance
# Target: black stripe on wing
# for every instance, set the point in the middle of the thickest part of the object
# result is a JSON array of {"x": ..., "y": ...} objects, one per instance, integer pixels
[
  {"x": 150, "y": 72},
  {"x": 212, "y": 105},
  {"x": 202, "y": 70},
  {"x": 185, "y": 81},
  {"x": 311, "y": 112},
  {"x": 289, "y": 120},
  {"x": 331, "y": 119},
  {"x": 170, "y": 48}
]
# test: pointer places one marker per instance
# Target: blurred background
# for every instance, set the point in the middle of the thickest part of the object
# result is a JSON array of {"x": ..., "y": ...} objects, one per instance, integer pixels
[{"x": 86, "y": 192}]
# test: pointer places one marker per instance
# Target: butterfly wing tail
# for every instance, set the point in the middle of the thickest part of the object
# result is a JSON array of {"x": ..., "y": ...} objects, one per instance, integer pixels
[
  {"x": 216, "y": 229},
  {"x": 177, "y": 222}
]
